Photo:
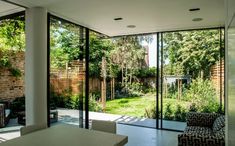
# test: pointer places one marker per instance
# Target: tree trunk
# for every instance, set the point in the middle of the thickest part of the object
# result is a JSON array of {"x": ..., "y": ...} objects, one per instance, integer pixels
[
  {"x": 202, "y": 74},
  {"x": 130, "y": 78},
  {"x": 126, "y": 78},
  {"x": 103, "y": 94},
  {"x": 80, "y": 104},
  {"x": 104, "y": 75},
  {"x": 113, "y": 88},
  {"x": 112, "y": 85},
  {"x": 67, "y": 75},
  {"x": 178, "y": 83},
  {"x": 122, "y": 76},
  {"x": 180, "y": 87}
]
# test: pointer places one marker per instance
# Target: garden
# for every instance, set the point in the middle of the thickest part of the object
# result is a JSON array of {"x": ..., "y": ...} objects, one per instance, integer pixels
[{"x": 124, "y": 82}]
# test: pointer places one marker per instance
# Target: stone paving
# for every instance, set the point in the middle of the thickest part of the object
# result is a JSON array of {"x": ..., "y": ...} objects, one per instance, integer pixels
[
  {"x": 72, "y": 117},
  {"x": 67, "y": 116}
]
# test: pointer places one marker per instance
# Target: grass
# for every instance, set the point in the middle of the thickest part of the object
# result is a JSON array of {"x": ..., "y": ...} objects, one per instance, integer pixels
[
  {"x": 131, "y": 106},
  {"x": 135, "y": 106}
]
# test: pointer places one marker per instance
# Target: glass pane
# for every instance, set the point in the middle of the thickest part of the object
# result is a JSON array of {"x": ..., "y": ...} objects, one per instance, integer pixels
[
  {"x": 67, "y": 73},
  {"x": 12, "y": 63},
  {"x": 123, "y": 79},
  {"x": 193, "y": 75}
]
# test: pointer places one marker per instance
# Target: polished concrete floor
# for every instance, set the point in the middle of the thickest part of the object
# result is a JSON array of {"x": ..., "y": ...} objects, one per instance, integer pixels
[
  {"x": 137, "y": 136},
  {"x": 69, "y": 116}
]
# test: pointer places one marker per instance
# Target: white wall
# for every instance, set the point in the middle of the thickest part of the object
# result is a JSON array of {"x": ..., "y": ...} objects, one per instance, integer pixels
[{"x": 36, "y": 66}]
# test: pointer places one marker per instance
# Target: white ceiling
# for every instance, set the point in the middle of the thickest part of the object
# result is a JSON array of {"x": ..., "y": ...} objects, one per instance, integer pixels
[
  {"x": 147, "y": 15},
  {"x": 6, "y": 8}
]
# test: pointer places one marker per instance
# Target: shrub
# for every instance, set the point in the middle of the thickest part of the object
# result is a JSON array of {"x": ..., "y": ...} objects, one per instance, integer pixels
[
  {"x": 94, "y": 105},
  {"x": 202, "y": 95},
  {"x": 95, "y": 95},
  {"x": 151, "y": 112},
  {"x": 5, "y": 62},
  {"x": 180, "y": 113},
  {"x": 15, "y": 72},
  {"x": 168, "y": 113},
  {"x": 146, "y": 72},
  {"x": 72, "y": 102},
  {"x": 18, "y": 105},
  {"x": 64, "y": 100},
  {"x": 193, "y": 108},
  {"x": 211, "y": 107}
]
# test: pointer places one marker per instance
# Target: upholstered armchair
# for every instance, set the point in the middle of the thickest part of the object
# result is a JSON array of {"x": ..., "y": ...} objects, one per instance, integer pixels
[
  {"x": 203, "y": 129},
  {"x": 4, "y": 115}
]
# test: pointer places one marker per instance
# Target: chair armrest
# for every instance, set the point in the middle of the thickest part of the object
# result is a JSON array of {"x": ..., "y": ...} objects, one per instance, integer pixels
[
  {"x": 2, "y": 115},
  {"x": 195, "y": 139},
  {"x": 201, "y": 119}
]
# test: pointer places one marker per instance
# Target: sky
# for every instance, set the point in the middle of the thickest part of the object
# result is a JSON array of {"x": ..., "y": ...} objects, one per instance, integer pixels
[{"x": 152, "y": 51}]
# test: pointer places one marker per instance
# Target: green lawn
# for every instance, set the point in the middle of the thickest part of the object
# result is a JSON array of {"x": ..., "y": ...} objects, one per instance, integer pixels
[
  {"x": 131, "y": 106},
  {"x": 135, "y": 106}
]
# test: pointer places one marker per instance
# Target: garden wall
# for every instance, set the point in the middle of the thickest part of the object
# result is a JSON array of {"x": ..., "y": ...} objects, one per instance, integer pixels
[
  {"x": 217, "y": 77},
  {"x": 72, "y": 79},
  {"x": 75, "y": 85},
  {"x": 10, "y": 86}
]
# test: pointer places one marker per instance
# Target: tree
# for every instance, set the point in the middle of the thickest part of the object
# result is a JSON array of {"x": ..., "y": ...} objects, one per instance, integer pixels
[
  {"x": 65, "y": 43},
  {"x": 12, "y": 36},
  {"x": 129, "y": 56},
  {"x": 12, "y": 40},
  {"x": 194, "y": 51}
]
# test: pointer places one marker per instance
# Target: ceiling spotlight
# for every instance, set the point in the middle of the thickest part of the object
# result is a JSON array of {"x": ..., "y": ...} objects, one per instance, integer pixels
[
  {"x": 131, "y": 26},
  {"x": 118, "y": 19},
  {"x": 197, "y": 19},
  {"x": 194, "y": 9}
]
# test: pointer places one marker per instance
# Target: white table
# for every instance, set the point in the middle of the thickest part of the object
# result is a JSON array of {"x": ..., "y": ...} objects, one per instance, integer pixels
[{"x": 68, "y": 135}]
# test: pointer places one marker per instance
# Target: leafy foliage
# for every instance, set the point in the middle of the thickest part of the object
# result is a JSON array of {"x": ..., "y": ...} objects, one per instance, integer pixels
[
  {"x": 129, "y": 56},
  {"x": 5, "y": 62},
  {"x": 146, "y": 72},
  {"x": 180, "y": 113},
  {"x": 168, "y": 113},
  {"x": 12, "y": 34},
  {"x": 15, "y": 72},
  {"x": 194, "y": 52},
  {"x": 12, "y": 40},
  {"x": 98, "y": 48},
  {"x": 201, "y": 93},
  {"x": 66, "y": 43}
]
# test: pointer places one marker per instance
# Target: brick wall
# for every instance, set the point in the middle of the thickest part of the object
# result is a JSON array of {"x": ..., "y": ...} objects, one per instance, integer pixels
[
  {"x": 217, "y": 77},
  {"x": 10, "y": 86}
]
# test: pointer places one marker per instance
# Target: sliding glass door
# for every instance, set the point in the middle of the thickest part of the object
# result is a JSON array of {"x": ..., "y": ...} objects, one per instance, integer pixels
[
  {"x": 122, "y": 75},
  {"x": 67, "y": 72},
  {"x": 12, "y": 75},
  {"x": 144, "y": 80},
  {"x": 191, "y": 75}
]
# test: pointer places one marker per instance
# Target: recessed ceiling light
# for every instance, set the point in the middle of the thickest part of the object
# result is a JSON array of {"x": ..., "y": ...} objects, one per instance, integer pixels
[
  {"x": 118, "y": 19},
  {"x": 197, "y": 19},
  {"x": 130, "y": 26},
  {"x": 194, "y": 9}
]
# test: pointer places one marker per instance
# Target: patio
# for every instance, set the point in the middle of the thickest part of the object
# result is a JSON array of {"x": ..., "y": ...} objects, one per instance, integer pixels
[
  {"x": 68, "y": 116},
  {"x": 125, "y": 125},
  {"x": 72, "y": 117}
]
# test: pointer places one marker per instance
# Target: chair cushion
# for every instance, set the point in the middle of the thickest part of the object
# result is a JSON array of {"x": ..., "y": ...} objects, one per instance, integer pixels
[
  {"x": 201, "y": 119},
  {"x": 197, "y": 130},
  {"x": 219, "y": 123},
  {"x": 220, "y": 133}
]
